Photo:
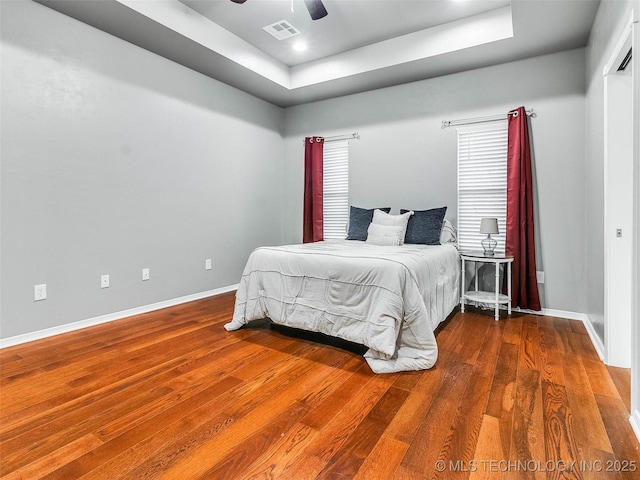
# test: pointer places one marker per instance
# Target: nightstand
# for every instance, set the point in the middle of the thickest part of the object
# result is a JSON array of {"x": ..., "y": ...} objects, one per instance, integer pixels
[{"x": 476, "y": 295}]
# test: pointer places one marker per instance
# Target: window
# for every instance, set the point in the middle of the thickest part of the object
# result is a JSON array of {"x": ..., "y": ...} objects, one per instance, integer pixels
[
  {"x": 336, "y": 189},
  {"x": 482, "y": 182}
]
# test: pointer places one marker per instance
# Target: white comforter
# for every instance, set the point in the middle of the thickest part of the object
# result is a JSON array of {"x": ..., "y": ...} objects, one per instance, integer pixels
[{"x": 389, "y": 299}]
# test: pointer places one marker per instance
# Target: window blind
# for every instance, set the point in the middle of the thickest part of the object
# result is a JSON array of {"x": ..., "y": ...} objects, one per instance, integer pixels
[
  {"x": 336, "y": 189},
  {"x": 482, "y": 182}
]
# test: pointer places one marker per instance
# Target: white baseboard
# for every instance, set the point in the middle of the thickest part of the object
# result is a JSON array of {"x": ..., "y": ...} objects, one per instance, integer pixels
[
  {"x": 90, "y": 322},
  {"x": 595, "y": 340},
  {"x": 550, "y": 312},
  {"x": 70, "y": 327}
]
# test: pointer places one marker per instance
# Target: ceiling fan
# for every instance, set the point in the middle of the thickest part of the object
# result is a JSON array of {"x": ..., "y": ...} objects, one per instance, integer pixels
[{"x": 315, "y": 7}]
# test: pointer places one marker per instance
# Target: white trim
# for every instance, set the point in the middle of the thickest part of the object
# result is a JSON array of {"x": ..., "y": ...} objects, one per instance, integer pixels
[
  {"x": 595, "y": 339},
  {"x": 549, "y": 312},
  {"x": 90, "y": 322},
  {"x": 618, "y": 169},
  {"x": 635, "y": 308},
  {"x": 70, "y": 327},
  {"x": 622, "y": 46},
  {"x": 634, "y": 420}
]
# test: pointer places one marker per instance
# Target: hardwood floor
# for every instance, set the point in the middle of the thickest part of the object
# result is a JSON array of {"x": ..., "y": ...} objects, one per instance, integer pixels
[{"x": 171, "y": 394}]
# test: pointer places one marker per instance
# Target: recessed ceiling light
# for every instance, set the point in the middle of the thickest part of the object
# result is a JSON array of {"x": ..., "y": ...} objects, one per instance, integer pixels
[{"x": 299, "y": 46}]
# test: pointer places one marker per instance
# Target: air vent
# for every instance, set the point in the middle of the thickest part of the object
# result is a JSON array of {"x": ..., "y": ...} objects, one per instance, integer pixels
[
  {"x": 281, "y": 30},
  {"x": 625, "y": 61}
]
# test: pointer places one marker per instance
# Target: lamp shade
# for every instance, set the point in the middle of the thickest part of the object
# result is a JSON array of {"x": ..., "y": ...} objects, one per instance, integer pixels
[{"x": 489, "y": 225}]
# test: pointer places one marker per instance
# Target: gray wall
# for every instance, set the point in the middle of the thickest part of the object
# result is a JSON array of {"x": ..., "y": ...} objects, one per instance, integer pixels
[
  {"x": 115, "y": 159},
  {"x": 406, "y": 160},
  {"x": 610, "y": 21}
]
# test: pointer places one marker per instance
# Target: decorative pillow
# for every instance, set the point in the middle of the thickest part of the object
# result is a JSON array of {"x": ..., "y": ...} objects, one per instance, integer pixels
[
  {"x": 382, "y": 218},
  {"x": 425, "y": 226},
  {"x": 359, "y": 220},
  {"x": 448, "y": 233},
  {"x": 385, "y": 235}
]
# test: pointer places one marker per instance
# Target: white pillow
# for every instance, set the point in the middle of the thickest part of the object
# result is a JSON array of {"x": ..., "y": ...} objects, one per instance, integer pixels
[
  {"x": 386, "y": 219},
  {"x": 448, "y": 233},
  {"x": 385, "y": 235}
]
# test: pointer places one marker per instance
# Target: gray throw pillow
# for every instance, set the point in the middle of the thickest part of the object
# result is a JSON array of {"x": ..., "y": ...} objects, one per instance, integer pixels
[{"x": 425, "y": 226}]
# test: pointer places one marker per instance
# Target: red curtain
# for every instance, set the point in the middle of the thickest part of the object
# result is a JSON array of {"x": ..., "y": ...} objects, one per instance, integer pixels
[
  {"x": 520, "y": 238},
  {"x": 313, "y": 222}
]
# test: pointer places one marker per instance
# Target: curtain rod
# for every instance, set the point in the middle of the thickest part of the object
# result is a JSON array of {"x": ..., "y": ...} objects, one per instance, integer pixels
[
  {"x": 492, "y": 118},
  {"x": 335, "y": 138}
]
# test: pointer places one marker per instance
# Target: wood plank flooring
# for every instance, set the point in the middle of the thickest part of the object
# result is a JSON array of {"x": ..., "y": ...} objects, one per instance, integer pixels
[{"x": 171, "y": 394}]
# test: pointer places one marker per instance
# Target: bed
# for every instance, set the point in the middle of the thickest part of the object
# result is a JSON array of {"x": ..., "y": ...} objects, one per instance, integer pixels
[{"x": 387, "y": 298}]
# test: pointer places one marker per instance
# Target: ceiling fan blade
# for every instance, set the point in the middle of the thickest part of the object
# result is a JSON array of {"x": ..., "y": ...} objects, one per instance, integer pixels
[{"x": 316, "y": 9}]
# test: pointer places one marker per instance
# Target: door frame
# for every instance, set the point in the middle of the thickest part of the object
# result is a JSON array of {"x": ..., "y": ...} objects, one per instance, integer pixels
[{"x": 630, "y": 38}]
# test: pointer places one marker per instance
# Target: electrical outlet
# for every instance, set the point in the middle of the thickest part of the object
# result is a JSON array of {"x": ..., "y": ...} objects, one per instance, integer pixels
[
  {"x": 104, "y": 281},
  {"x": 540, "y": 277},
  {"x": 145, "y": 274},
  {"x": 40, "y": 292},
  {"x": 207, "y": 264}
]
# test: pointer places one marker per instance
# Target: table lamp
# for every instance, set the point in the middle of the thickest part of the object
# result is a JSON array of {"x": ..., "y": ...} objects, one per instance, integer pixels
[{"x": 489, "y": 226}]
